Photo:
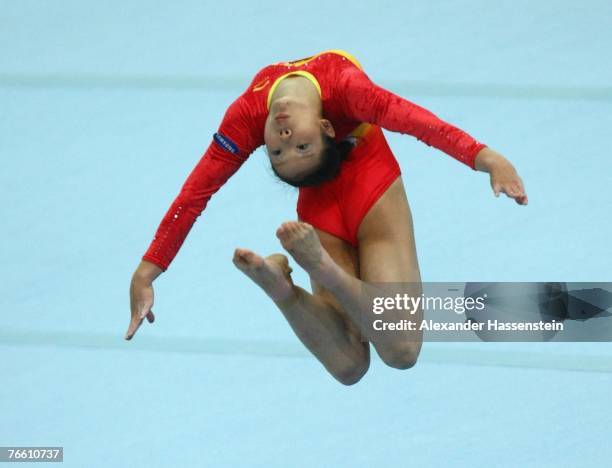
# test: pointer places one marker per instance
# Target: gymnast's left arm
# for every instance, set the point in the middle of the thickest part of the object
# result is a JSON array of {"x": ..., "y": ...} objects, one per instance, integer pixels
[{"x": 364, "y": 101}]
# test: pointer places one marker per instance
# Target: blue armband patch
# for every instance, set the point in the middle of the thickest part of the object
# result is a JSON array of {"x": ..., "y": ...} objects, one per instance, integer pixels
[{"x": 225, "y": 143}]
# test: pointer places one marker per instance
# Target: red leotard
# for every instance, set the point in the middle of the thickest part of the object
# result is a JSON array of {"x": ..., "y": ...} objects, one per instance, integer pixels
[
  {"x": 349, "y": 100},
  {"x": 339, "y": 205}
]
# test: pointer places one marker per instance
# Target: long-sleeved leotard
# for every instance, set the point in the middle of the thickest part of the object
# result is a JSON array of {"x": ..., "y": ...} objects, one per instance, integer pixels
[{"x": 348, "y": 97}]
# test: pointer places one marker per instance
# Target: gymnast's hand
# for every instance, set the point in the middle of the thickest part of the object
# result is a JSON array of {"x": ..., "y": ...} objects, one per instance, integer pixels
[
  {"x": 504, "y": 178},
  {"x": 141, "y": 296}
]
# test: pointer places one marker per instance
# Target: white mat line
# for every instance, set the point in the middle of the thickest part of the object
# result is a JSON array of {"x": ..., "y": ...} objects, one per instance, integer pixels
[
  {"x": 267, "y": 348},
  {"x": 84, "y": 81}
]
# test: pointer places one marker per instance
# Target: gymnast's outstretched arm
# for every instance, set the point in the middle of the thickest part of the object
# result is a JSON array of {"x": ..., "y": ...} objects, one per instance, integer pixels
[
  {"x": 235, "y": 140},
  {"x": 365, "y": 101}
]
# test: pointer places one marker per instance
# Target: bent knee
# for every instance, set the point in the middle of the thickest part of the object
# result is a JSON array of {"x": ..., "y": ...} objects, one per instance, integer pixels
[
  {"x": 351, "y": 373},
  {"x": 401, "y": 355}
]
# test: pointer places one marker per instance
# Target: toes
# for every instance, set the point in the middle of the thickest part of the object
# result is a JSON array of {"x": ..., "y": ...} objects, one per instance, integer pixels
[
  {"x": 236, "y": 256},
  {"x": 281, "y": 234},
  {"x": 295, "y": 231},
  {"x": 245, "y": 258},
  {"x": 292, "y": 227},
  {"x": 305, "y": 227},
  {"x": 291, "y": 232},
  {"x": 239, "y": 262},
  {"x": 248, "y": 255},
  {"x": 239, "y": 254},
  {"x": 282, "y": 230},
  {"x": 286, "y": 230}
]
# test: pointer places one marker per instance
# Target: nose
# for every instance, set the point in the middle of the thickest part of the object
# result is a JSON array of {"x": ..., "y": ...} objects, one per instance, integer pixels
[{"x": 285, "y": 133}]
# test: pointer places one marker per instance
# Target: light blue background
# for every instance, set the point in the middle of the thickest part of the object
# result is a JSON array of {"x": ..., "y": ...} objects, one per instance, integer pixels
[{"x": 105, "y": 107}]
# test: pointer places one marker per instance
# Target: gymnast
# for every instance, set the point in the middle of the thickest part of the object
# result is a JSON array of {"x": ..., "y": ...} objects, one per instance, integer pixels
[{"x": 320, "y": 119}]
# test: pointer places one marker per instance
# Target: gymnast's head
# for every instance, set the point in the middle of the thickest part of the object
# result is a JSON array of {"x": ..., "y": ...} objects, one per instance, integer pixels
[{"x": 300, "y": 144}]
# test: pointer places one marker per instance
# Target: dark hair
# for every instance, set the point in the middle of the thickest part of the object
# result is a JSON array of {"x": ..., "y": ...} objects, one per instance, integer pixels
[{"x": 332, "y": 156}]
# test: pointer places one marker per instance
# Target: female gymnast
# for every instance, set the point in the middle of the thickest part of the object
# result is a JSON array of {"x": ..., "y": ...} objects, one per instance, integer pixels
[{"x": 320, "y": 119}]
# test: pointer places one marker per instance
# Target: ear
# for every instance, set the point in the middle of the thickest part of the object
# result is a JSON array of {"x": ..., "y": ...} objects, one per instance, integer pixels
[{"x": 328, "y": 128}]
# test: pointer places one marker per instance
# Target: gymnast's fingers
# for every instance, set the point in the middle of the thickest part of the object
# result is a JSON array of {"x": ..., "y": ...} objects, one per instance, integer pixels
[
  {"x": 141, "y": 305},
  {"x": 133, "y": 327},
  {"x": 497, "y": 188}
]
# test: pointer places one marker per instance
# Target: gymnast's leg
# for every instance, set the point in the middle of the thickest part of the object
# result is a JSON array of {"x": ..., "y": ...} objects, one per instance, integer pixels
[
  {"x": 315, "y": 318},
  {"x": 387, "y": 254}
]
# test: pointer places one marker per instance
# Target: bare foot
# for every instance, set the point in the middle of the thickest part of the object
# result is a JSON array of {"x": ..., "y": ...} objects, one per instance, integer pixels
[
  {"x": 272, "y": 274},
  {"x": 302, "y": 242}
]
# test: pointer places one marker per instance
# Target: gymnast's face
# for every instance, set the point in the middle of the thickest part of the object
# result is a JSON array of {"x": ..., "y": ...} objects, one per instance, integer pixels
[{"x": 293, "y": 136}]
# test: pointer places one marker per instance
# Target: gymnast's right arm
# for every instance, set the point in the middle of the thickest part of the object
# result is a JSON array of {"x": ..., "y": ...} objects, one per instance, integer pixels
[{"x": 236, "y": 139}]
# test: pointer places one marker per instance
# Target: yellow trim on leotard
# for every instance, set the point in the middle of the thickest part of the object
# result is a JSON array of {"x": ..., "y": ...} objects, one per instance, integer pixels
[
  {"x": 303, "y": 73},
  {"x": 310, "y": 76},
  {"x": 343, "y": 53},
  {"x": 361, "y": 130}
]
